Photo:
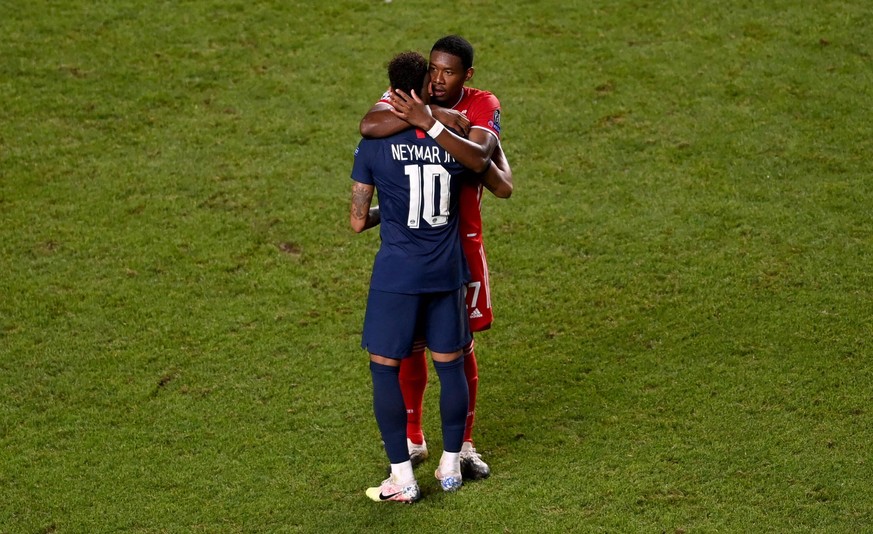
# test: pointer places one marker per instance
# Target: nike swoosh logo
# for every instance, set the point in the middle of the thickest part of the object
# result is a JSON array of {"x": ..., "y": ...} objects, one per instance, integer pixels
[{"x": 384, "y": 497}]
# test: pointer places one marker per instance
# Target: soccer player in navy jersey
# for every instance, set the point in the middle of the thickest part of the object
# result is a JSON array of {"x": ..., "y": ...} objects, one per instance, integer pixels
[
  {"x": 475, "y": 114},
  {"x": 418, "y": 281}
]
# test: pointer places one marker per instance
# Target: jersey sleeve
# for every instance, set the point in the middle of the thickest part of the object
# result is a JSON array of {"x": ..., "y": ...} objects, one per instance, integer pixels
[
  {"x": 484, "y": 112},
  {"x": 362, "y": 169},
  {"x": 386, "y": 97}
]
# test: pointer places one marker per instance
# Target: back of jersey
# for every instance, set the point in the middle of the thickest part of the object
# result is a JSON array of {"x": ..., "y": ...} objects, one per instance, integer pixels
[{"x": 418, "y": 185}]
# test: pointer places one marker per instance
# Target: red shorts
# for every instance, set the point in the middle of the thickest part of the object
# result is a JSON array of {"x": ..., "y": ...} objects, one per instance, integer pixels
[{"x": 478, "y": 289}]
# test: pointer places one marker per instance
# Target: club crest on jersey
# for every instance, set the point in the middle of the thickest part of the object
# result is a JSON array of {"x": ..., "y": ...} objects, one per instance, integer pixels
[{"x": 495, "y": 121}]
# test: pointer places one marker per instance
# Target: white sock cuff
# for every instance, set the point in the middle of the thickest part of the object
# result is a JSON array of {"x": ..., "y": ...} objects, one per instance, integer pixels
[
  {"x": 402, "y": 473},
  {"x": 450, "y": 462}
]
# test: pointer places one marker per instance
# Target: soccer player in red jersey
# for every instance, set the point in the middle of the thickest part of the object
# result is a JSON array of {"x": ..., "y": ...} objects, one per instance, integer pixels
[{"x": 476, "y": 114}]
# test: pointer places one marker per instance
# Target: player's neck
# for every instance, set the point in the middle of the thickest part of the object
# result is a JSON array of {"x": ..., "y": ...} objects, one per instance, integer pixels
[{"x": 460, "y": 97}]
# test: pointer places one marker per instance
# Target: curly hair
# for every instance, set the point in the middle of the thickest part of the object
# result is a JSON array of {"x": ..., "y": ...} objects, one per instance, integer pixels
[
  {"x": 407, "y": 71},
  {"x": 456, "y": 46}
]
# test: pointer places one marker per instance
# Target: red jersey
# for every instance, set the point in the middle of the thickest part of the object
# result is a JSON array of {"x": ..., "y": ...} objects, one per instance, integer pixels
[{"x": 483, "y": 110}]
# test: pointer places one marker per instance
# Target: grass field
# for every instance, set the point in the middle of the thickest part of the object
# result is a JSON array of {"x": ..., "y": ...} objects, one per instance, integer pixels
[{"x": 682, "y": 278}]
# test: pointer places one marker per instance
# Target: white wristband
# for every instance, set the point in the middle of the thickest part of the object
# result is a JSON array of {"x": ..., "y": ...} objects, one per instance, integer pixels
[{"x": 436, "y": 129}]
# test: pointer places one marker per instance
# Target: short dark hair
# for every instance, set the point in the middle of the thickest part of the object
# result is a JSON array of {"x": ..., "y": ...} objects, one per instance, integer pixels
[
  {"x": 407, "y": 71},
  {"x": 456, "y": 46}
]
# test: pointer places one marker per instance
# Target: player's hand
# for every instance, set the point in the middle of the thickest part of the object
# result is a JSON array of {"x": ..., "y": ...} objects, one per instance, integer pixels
[
  {"x": 453, "y": 119},
  {"x": 411, "y": 109}
]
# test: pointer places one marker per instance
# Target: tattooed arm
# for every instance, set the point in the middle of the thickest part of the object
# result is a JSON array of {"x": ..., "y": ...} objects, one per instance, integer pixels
[{"x": 363, "y": 215}]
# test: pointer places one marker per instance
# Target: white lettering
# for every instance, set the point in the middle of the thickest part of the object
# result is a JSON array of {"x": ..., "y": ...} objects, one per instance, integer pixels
[{"x": 431, "y": 154}]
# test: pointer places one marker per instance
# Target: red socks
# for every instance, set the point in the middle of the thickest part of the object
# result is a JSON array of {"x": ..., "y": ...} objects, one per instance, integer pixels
[
  {"x": 472, "y": 372},
  {"x": 413, "y": 381}
]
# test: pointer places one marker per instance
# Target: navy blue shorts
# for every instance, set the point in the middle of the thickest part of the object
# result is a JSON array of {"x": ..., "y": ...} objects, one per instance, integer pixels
[{"x": 394, "y": 320}]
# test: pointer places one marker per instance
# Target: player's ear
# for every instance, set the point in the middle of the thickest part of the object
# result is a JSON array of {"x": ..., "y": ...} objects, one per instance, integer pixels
[{"x": 469, "y": 75}]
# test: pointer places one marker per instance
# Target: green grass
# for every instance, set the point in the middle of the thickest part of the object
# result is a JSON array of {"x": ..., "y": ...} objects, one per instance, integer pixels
[{"x": 682, "y": 278}]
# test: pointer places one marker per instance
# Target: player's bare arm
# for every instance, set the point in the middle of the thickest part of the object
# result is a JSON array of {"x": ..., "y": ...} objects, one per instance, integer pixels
[
  {"x": 454, "y": 119},
  {"x": 474, "y": 156},
  {"x": 484, "y": 140},
  {"x": 498, "y": 177},
  {"x": 381, "y": 122},
  {"x": 362, "y": 215}
]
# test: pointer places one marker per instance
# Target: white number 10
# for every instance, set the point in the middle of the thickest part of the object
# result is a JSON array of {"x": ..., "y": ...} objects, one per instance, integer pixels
[{"x": 423, "y": 201}]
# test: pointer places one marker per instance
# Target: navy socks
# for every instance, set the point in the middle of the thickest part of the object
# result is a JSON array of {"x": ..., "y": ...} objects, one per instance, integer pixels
[
  {"x": 454, "y": 397},
  {"x": 390, "y": 411}
]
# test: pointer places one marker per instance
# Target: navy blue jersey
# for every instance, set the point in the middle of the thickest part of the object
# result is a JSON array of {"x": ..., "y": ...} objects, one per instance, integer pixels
[{"x": 418, "y": 186}]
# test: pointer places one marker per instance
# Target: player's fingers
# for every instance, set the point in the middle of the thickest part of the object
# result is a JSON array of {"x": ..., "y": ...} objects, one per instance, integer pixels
[{"x": 398, "y": 103}]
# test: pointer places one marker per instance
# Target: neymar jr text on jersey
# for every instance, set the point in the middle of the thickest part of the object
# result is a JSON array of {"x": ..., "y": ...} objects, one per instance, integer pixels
[{"x": 431, "y": 154}]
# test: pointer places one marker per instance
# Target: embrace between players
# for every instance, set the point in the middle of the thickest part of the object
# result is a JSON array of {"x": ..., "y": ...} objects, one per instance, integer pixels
[{"x": 429, "y": 146}]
